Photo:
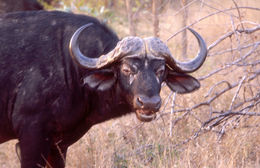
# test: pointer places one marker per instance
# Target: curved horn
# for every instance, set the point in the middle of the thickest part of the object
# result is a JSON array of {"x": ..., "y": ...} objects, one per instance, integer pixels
[
  {"x": 195, "y": 63},
  {"x": 159, "y": 49},
  {"x": 127, "y": 46}
]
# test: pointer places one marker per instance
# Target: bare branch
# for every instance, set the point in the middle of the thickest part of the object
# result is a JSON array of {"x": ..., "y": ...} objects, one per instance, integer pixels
[
  {"x": 229, "y": 34},
  {"x": 172, "y": 111},
  {"x": 205, "y": 17},
  {"x": 238, "y": 89},
  {"x": 233, "y": 49},
  {"x": 210, "y": 90}
]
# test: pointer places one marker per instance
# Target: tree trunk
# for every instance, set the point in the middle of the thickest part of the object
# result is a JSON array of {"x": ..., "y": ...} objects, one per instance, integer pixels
[
  {"x": 131, "y": 23},
  {"x": 184, "y": 34},
  {"x": 155, "y": 18}
]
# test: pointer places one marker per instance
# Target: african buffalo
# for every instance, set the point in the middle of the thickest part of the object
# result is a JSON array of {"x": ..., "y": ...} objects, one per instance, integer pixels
[{"x": 61, "y": 73}]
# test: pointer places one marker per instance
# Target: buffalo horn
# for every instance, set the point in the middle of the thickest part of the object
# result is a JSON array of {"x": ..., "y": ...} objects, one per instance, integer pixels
[
  {"x": 159, "y": 49},
  {"x": 127, "y": 46},
  {"x": 194, "y": 64}
]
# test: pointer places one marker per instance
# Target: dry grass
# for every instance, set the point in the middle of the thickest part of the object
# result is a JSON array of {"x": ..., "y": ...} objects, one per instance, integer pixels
[{"x": 179, "y": 139}]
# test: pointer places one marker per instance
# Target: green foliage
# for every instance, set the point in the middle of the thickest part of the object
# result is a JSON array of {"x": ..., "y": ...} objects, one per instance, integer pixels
[
  {"x": 96, "y": 8},
  {"x": 119, "y": 161}
]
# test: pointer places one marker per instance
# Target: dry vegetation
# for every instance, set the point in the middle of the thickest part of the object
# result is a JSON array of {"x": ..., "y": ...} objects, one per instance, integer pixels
[{"x": 217, "y": 126}]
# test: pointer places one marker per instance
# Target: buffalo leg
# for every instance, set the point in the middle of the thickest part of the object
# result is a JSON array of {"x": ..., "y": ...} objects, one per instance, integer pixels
[
  {"x": 57, "y": 157},
  {"x": 34, "y": 148}
]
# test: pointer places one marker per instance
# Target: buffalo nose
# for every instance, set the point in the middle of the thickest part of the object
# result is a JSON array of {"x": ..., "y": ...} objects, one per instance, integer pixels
[{"x": 148, "y": 103}]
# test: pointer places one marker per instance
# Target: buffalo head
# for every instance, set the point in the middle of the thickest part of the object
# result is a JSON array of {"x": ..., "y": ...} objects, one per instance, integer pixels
[{"x": 139, "y": 68}]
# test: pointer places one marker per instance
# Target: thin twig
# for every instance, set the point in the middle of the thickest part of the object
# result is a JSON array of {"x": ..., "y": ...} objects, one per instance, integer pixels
[
  {"x": 236, "y": 94},
  {"x": 229, "y": 34},
  {"x": 172, "y": 111},
  {"x": 205, "y": 17}
]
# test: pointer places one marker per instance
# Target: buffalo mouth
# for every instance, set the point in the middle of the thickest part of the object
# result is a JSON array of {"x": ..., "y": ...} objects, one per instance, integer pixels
[{"x": 145, "y": 115}]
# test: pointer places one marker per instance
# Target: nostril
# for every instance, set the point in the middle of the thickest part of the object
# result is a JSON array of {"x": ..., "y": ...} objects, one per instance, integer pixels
[
  {"x": 140, "y": 102},
  {"x": 149, "y": 103},
  {"x": 158, "y": 104}
]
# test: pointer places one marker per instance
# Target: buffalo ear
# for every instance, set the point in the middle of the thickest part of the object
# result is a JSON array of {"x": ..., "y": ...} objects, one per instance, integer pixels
[
  {"x": 100, "y": 80},
  {"x": 181, "y": 83}
]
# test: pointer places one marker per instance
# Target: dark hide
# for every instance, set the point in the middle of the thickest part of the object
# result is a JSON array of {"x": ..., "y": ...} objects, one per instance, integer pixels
[{"x": 42, "y": 95}]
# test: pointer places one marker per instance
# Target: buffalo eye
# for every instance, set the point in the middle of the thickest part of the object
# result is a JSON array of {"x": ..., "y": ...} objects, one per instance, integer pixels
[
  {"x": 160, "y": 71},
  {"x": 128, "y": 70}
]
